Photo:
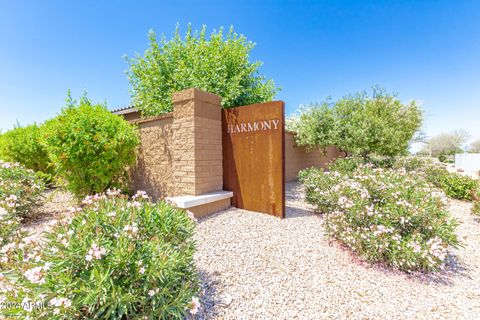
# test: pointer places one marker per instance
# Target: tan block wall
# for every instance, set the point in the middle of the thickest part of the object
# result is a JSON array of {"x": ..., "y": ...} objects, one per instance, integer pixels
[
  {"x": 205, "y": 209},
  {"x": 184, "y": 154},
  {"x": 208, "y": 149},
  {"x": 297, "y": 158},
  {"x": 198, "y": 166},
  {"x": 181, "y": 152},
  {"x": 153, "y": 171}
]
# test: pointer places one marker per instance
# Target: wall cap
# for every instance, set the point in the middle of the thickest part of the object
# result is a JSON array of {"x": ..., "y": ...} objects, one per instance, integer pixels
[
  {"x": 197, "y": 94},
  {"x": 186, "y": 201},
  {"x": 151, "y": 119}
]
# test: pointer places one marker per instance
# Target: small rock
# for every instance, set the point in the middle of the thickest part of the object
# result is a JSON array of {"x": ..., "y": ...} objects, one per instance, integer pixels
[{"x": 224, "y": 300}]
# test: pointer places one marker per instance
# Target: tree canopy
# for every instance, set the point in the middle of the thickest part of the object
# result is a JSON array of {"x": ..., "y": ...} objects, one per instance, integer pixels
[
  {"x": 446, "y": 143},
  {"x": 359, "y": 124},
  {"x": 475, "y": 146},
  {"x": 218, "y": 63}
]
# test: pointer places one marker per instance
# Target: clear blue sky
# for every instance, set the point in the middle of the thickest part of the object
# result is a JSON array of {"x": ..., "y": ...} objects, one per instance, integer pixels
[{"x": 424, "y": 50}]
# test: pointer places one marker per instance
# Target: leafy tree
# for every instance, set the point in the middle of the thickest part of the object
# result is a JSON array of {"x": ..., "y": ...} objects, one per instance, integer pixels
[
  {"x": 446, "y": 143},
  {"x": 475, "y": 146},
  {"x": 359, "y": 124},
  {"x": 89, "y": 146},
  {"x": 218, "y": 64},
  {"x": 314, "y": 125}
]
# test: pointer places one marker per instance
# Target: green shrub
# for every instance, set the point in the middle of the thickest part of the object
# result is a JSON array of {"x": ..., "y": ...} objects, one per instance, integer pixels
[
  {"x": 114, "y": 260},
  {"x": 90, "y": 147},
  {"x": 20, "y": 189},
  {"x": 458, "y": 186},
  {"x": 346, "y": 165},
  {"x": 412, "y": 163},
  {"x": 218, "y": 63},
  {"x": 476, "y": 208},
  {"x": 442, "y": 157},
  {"x": 22, "y": 145},
  {"x": 454, "y": 185},
  {"x": 349, "y": 164},
  {"x": 386, "y": 216}
]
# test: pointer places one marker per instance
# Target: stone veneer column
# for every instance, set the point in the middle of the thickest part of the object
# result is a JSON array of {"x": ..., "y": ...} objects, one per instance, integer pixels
[{"x": 197, "y": 140}]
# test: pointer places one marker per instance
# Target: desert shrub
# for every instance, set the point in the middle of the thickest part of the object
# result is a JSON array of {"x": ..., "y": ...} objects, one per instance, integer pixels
[
  {"x": 476, "y": 208},
  {"x": 22, "y": 145},
  {"x": 20, "y": 189},
  {"x": 412, "y": 163},
  {"x": 476, "y": 193},
  {"x": 90, "y": 147},
  {"x": 114, "y": 259},
  {"x": 316, "y": 181},
  {"x": 219, "y": 63},
  {"x": 384, "y": 215},
  {"x": 442, "y": 157},
  {"x": 454, "y": 185},
  {"x": 349, "y": 164},
  {"x": 458, "y": 186},
  {"x": 346, "y": 165}
]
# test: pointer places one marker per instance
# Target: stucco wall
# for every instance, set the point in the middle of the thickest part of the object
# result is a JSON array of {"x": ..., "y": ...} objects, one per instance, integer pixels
[
  {"x": 153, "y": 171},
  {"x": 297, "y": 158}
]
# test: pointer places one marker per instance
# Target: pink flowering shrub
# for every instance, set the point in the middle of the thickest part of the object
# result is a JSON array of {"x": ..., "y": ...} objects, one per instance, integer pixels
[
  {"x": 115, "y": 259},
  {"x": 384, "y": 215},
  {"x": 20, "y": 189},
  {"x": 9, "y": 225}
]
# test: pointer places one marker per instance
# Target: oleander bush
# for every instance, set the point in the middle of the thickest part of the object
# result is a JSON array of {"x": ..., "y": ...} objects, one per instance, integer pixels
[
  {"x": 346, "y": 165},
  {"x": 453, "y": 184},
  {"x": 115, "y": 259},
  {"x": 384, "y": 215},
  {"x": 459, "y": 186},
  {"x": 90, "y": 147},
  {"x": 412, "y": 163},
  {"x": 9, "y": 226},
  {"x": 22, "y": 145},
  {"x": 20, "y": 189}
]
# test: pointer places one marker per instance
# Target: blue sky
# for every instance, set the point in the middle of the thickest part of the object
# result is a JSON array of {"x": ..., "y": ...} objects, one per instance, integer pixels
[{"x": 424, "y": 50}]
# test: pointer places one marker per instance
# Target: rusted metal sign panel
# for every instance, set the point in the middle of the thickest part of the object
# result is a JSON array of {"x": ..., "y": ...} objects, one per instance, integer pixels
[{"x": 253, "y": 156}]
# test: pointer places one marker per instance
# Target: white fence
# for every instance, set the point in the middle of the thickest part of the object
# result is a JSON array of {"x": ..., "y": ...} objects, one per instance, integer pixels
[{"x": 469, "y": 162}]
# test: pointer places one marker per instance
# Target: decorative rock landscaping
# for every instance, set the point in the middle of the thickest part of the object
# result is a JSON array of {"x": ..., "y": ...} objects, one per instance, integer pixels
[
  {"x": 288, "y": 269},
  {"x": 255, "y": 266}
]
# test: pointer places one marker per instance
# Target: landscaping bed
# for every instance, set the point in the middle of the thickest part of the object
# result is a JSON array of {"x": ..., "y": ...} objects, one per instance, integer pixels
[
  {"x": 257, "y": 266},
  {"x": 284, "y": 269}
]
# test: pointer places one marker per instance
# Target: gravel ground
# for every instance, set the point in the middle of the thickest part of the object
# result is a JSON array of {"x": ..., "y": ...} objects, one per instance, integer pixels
[
  {"x": 255, "y": 266},
  {"x": 56, "y": 204}
]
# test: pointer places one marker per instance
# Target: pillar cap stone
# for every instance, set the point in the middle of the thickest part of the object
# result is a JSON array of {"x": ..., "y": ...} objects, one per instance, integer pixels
[{"x": 197, "y": 94}]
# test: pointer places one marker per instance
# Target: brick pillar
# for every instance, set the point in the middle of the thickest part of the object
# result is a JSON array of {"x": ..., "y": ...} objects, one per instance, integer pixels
[{"x": 197, "y": 139}]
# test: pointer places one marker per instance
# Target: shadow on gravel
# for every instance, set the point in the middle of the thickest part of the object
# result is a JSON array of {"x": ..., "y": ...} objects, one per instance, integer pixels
[
  {"x": 208, "y": 296},
  {"x": 294, "y": 212},
  {"x": 453, "y": 269}
]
